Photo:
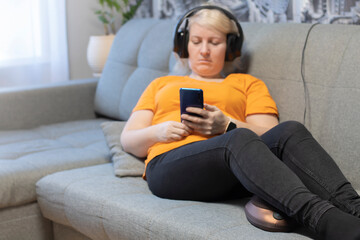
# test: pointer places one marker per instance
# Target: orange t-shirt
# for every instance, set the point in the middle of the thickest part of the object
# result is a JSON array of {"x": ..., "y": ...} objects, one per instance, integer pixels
[{"x": 237, "y": 96}]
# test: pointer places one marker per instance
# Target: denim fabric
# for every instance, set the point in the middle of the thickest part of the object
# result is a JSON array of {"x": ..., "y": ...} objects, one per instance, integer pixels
[{"x": 286, "y": 167}]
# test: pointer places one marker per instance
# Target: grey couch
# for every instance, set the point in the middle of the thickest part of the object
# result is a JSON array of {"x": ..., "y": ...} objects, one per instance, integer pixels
[{"x": 57, "y": 180}]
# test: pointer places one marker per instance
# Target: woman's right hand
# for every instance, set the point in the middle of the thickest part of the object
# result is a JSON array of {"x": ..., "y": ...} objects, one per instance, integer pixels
[
  {"x": 171, "y": 131},
  {"x": 139, "y": 134}
]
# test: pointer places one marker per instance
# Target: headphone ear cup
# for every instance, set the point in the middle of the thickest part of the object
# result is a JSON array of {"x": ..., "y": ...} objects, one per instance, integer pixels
[
  {"x": 185, "y": 53},
  {"x": 177, "y": 43},
  {"x": 233, "y": 48},
  {"x": 181, "y": 43}
]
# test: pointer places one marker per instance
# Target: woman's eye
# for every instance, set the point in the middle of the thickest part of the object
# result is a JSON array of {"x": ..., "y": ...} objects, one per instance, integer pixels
[{"x": 195, "y": 42}]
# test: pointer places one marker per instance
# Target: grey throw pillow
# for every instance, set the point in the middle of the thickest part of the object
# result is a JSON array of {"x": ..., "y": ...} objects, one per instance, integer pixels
[{"x": 125, "y": 164}]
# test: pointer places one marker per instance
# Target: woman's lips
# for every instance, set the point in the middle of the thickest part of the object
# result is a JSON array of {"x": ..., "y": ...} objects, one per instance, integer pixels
[{"x": 204, "y": 60}]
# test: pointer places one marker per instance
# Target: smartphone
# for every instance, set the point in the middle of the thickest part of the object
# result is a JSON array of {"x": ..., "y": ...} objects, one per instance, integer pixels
[{"x": 191, "y": 97}]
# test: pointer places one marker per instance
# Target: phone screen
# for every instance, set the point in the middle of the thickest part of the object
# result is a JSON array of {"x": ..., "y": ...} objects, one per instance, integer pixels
[{"x": 191, "y": 97}]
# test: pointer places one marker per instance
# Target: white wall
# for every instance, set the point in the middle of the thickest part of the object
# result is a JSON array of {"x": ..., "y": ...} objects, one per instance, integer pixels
[{"x": 81, "y": 24}]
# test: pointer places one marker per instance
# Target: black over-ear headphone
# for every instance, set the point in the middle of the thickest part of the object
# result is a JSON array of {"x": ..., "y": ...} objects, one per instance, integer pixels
[{"x": 181, "y": 36}]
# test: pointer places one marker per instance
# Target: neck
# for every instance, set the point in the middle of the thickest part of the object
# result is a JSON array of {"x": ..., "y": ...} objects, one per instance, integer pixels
[{"x": 217, "y": 78}]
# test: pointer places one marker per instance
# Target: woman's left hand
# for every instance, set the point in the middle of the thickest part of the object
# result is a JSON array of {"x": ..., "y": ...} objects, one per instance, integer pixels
[{"x": 211, "y": 122}]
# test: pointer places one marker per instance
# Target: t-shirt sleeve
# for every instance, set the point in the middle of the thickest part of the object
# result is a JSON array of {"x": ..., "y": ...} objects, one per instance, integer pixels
[
  {"x": 259, "y": 100},
  {"x": 147, "y": 98}
]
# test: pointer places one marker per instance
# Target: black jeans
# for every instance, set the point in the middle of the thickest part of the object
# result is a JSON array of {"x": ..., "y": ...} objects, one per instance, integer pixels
[{"x": 286, "y": 167}]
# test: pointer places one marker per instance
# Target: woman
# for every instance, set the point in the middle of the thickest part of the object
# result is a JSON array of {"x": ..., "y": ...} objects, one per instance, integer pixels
[{"x": 199, "y": 158}]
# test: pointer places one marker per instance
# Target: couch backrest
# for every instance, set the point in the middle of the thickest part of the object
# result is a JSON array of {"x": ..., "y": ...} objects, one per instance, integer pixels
[
  {"x": 332, "y": 73},
  {"x": 331, "y": 67},
  {"x": 142, "y": 51}
]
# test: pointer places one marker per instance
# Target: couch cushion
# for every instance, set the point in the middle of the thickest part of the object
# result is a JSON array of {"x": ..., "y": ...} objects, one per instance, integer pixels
[
  {"x": 24, "y": 222},
  {"x": 125, "y": 165},
  {"x": 101, "y": 206},
  {"x": 332, "y": 61},
  {"x": 28, "y": 155},
  {"x": 141, "y": 52},
  {"x": 272, "y": 53}
]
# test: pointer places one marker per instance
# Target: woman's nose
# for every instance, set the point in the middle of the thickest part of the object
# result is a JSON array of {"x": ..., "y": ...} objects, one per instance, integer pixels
[{"x": 204, "y": 51}]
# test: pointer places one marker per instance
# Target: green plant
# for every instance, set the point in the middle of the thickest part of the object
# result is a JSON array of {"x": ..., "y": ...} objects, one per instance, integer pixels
[{"x": 109, "y": 10}]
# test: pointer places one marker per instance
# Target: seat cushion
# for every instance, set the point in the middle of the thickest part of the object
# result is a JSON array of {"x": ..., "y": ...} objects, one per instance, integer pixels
[
  {"x": 28, "y": 155},
  {"x": 24, "y": 222},
  {"x": 98, "y": 204}
]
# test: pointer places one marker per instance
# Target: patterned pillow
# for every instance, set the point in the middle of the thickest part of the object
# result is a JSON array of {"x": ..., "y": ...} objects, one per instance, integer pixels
[{"x": 125, "y": 165}]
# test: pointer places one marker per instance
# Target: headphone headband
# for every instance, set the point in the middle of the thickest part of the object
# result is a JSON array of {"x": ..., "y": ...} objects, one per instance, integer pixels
[{"x": 234, "y": 41}]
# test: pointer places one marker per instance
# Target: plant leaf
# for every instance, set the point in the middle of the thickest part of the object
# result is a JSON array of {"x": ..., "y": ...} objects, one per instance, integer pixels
[
  {"x": 103, "y": 19},
  {"x": 117, "y": 6},
  {"x": 130, "y": 14},
  {"x": 109, "y": 3},
  {"x": 110, "y": 15}
]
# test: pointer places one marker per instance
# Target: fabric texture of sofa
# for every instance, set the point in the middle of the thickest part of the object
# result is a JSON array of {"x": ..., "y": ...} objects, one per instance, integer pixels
[{"x": 57, "y": 180}]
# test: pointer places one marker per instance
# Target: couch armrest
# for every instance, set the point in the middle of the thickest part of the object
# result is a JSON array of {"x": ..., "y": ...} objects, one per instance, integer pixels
[{"x": 22, "y": 108}]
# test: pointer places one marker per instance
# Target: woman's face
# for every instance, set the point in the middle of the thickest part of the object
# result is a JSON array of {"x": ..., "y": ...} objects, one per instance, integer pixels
[{"x": 207, "y": 48}]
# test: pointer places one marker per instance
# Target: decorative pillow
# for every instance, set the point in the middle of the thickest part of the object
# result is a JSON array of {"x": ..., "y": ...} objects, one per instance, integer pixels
[{"x": 125, "y": 164}]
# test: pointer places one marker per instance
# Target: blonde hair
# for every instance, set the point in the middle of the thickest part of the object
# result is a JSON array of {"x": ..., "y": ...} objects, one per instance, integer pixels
[{"x": 216, "y": 19}]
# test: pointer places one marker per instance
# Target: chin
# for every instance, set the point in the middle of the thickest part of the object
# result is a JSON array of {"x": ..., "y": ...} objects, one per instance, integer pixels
[{"x": 205, "y": 71}]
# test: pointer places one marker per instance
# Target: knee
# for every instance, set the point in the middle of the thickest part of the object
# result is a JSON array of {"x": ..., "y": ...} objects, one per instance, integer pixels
[
  {"x": 241, "y": 136},
  {"x": 291, "y": 126},
  {"x": 243, "y": 133},
  {"x": 283, "y": 132}
]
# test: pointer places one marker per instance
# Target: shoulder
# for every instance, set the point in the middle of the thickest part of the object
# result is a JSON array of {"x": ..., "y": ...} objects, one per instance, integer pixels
[
  {"x": 167, "y": 79},
  {"x": 246, "y": 80},
  {"x": 243, "y": 77},
  {"x": 249, "y": 83}
]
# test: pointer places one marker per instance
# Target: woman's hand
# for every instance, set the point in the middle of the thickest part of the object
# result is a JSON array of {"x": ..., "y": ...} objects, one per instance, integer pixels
[
  {"x": 211, "y": 122},
  {"x": 139, "y": 134},
  {"x": 172, "y": 131}
]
